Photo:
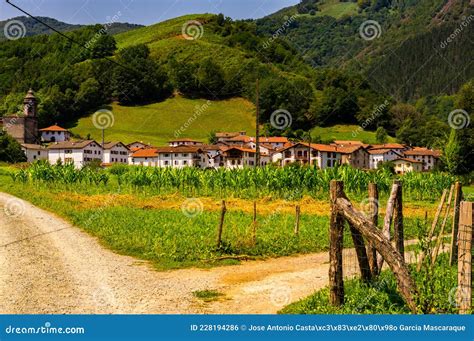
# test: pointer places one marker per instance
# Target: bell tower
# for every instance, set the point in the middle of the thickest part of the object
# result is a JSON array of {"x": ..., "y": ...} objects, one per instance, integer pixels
[{"x": 30, "y": 104}]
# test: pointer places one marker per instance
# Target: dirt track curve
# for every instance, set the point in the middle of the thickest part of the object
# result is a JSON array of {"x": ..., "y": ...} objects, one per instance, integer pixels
[{"x": 48, "y": 266}]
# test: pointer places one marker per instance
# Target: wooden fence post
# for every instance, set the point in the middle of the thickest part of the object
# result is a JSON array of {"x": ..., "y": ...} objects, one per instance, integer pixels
[
  {"x": 433, "y": 228},
  {"x": 398, "y": 221},
  {"x": 297, "y": 219},
  {"x": 336, "y": 282},
  {"x": 443, "y": 224},
  {"x": 221, "y": 224},
  {"x": 361, "y": 253},
  {"x": 388, "y": 219},
  {"x": 384, "y": 247},
  {"x": 374, "y": 215},
  {"x": 464, "y": 292},
  {"x": 454, "y": 233}
]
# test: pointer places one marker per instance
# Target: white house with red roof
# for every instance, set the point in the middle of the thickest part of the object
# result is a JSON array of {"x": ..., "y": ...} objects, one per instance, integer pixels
[
  {"x": 184, "y": 142},
  {"x": 177, "y": 157},
  {"x": 378, "y": 156},
  {"x": 80, "y": 153},
  {"x": 55, "y": 133},
  {"x": 428, "y": 157},
  {"x": 115, "y": 152}
]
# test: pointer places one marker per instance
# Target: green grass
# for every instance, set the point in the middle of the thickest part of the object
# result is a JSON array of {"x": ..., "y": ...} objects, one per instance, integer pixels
[
  {"x": 156, "y": 123},
  {"x": 337, "y": 9},
  {"x": 345, "y": 132},
  {"x": 208, "y": 295},
  {"x": 435, "y": 294}
]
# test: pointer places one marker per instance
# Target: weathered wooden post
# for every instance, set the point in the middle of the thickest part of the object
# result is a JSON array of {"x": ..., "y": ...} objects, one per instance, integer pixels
[
  {"x": 361, "y": 253},
  {"x": 221, "y": 224},
  {"x": 374, "y": 215},
  {"x": 388, "y": 219},
  {"x": 433, "y": 228},
  {"x": 439, "y": 241},
  {"x": 454, "y": 233},
  {"x": 394, "y": 260},
  {"x": 398, "y": 232},
  {"x": 336, "y": 282},
  {"x": 464, "y": 292},
  {"x": 297, "y": 219}
]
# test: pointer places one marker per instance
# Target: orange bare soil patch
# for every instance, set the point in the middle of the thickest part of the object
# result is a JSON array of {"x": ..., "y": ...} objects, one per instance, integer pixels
[{"x": 265, "y": 206}]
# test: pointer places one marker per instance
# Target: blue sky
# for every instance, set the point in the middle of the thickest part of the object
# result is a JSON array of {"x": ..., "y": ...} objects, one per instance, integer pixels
[{"x": 140, "y": 11}]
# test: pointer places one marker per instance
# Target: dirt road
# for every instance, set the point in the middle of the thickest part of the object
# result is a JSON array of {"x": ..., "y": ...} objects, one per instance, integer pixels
[{"x": 48, "y": 266}]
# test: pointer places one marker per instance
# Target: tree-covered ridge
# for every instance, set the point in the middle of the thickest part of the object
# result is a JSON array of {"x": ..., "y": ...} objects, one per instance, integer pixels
[
  {"x": 33, "y": 27},
  {"x": 406, "y": 29}
]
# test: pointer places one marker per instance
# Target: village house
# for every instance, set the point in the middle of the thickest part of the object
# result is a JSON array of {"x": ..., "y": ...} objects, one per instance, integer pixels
[
  {"x": 134, "y": 146},
  {"x": 226, "y": 136},
  {"x": 428, "y": 157},
  {"x": 115, "y": 152},
  {"x": 405, "y": 165},
  {"x": 54, "y": 133},
  {"x": 239, "y": 157},
  {"x": 177, "y": 157},
  {"x": 355, "y": 156},
  {"x": 80, "y": 153},
  {"x": 210, "y": 156},
  {"x": 34, "y": 152},
  {"x": 378, "y": 156},
  {"x": 184, "y": 142}
]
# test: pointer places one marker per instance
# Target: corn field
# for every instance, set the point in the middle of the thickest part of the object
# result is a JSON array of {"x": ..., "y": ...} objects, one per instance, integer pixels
[{"x": 288, "y": 182}]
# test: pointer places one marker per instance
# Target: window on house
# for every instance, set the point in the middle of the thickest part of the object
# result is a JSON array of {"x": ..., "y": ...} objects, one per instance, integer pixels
[
  {"x": 166, "y": 163},
  {"x": 328, "y": 163},
  {"x": 185, "y": 162}
]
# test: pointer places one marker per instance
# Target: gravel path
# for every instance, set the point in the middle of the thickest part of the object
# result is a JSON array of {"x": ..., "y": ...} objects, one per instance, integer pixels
[{"x": 48, "y": 266}]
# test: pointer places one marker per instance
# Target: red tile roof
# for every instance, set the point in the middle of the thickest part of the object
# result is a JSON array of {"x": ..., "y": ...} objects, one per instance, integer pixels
[
  {"x": 421, "y": 151},
  {"x": 53, "y": 128},
  {"x": 408, "y": 160}
]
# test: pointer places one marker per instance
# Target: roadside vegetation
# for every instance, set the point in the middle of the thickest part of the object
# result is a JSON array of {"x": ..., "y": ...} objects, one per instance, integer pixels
[
  {"x": 437, "y": 294},
  {"x": 170, "y": 216}
]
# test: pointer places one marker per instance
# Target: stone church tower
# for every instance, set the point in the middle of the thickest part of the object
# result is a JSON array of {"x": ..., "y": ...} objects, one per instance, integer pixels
[{"x": 24, "y": 128}]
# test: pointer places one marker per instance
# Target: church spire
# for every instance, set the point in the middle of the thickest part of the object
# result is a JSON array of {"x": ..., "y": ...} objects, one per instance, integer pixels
[{"x": 30, "y": 104}]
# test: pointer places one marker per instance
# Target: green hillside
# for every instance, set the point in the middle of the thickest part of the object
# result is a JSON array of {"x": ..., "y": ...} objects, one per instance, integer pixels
[
  {"x": 345, "y": 132},
  {"x": 156, "y": 123},
  {"x": 406, "y": 59}
]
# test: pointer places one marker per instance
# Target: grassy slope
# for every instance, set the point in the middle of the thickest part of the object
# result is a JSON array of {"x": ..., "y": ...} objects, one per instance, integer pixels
[
  {"x": 345, "y": 132},
  {"x": 156, "y": 123}
]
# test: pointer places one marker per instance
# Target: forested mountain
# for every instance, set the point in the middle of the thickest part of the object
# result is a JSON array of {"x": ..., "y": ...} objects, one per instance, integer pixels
[
  {"x": 317, "y": 66},
  {"x": 405, "y": 51},
  {"x": 33, "y": 27}
]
